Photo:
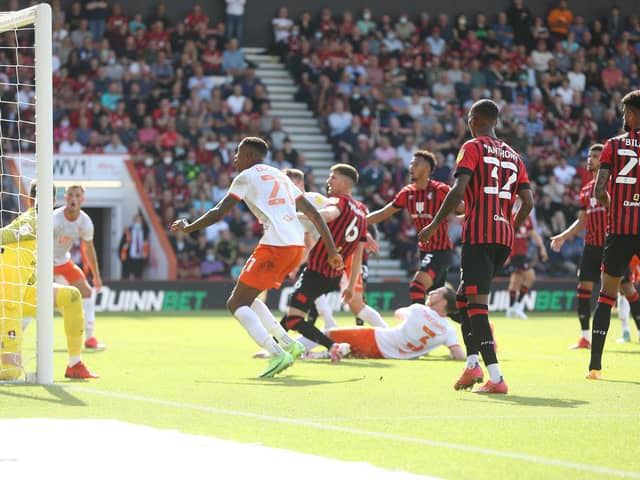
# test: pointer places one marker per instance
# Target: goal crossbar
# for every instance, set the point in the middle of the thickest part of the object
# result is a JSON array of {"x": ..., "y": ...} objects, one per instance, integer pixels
[{"x": 21, "y": 18}]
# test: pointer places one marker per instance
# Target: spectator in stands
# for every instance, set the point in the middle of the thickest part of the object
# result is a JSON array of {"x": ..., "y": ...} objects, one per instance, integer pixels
[
  {"x": 282, "y": 26},
  {"x": 115, "y": 145},
  {"x": 233, "y": 62},
  {"x": 235, "y": 15},
  {"x": 277, "y": 135},
  {"x": 70, "y": 144},
  {"x": 134, "y": 248},
  {"x": 554, "y": 99},
  {"x": 339, "y": 120},
  {"x": 235, "y": 101},
  {"x": 560, "y": 19}
]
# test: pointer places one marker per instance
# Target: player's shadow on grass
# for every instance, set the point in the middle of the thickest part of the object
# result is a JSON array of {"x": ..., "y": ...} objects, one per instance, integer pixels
[
  {"x": 89, "y": 351},
  {"x": 290, "y": 381},
  {"x": 536, "y": 401},
  {"x": 628, "y": 352},
  {"x": 629, "y": 382},
  {"x": 364, "y": 363},
  {"x": 60, "y": 394}
]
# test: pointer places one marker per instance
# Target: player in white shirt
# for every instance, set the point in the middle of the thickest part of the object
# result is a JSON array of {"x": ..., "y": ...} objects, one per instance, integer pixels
[
  {"x": 71, "y": 224},
  {"x": 311, "y": 236},
  {"x": 423, "y": 328},
  {"x": 273, "y": 199}
]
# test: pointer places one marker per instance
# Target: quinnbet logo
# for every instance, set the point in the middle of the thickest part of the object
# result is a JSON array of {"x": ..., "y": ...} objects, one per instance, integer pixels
[{"x": 149, "y": 300}]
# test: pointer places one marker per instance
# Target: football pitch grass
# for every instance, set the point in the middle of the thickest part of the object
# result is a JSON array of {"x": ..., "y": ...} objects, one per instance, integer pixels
[{"x": 194, "y": 373}]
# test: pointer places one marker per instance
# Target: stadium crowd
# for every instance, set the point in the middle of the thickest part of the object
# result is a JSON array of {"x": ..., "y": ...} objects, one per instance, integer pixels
[
  {"x": 385, "y": 86},
  {"x": 174, "y": 94},
  {"x": 177, "y": 94}
]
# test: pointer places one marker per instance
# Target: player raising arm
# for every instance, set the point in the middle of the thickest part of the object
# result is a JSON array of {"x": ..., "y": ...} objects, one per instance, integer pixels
[
  {"x": 422, "y": 199},
  {"x": 618, "y": 189},
  {"x": 273, "y": 199},
  {"x": 489, "y": 175}
]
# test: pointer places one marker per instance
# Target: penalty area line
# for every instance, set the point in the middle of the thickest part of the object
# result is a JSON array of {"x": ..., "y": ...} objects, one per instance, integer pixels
[{"x": 366, "y": 433}]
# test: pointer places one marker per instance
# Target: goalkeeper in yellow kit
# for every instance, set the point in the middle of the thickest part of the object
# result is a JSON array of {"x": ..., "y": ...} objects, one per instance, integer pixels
[{"x": 18, "y": 298}]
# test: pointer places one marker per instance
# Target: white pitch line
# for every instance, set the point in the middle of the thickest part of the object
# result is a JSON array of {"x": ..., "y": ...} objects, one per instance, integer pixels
[
  {"x": 475, "y": 417},
  {"x": 379, "y": 435}
]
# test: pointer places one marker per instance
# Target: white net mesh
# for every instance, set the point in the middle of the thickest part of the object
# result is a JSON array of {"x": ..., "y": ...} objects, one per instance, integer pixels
[{"x": 17, "y": 169}]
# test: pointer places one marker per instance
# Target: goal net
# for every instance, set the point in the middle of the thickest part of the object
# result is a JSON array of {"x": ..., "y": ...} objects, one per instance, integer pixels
[{"x": 26, "y": 149}]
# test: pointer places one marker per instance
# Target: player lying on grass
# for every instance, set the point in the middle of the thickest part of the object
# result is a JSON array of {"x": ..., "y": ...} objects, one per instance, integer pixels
[
  {"x": 18, "y": 298},
  {"x": 273, "y": 199},
  {"x": 422, "y": 329}
]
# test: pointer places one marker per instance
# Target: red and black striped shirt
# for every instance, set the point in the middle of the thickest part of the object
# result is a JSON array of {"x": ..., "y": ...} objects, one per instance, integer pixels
[
  {"x": 620, "y": 156},
  {"x": 497, "y": 175},
  {"x": 422, "y": 205},
  {"x": 349, "y": 228},
  {"x": 521, "y": 238},
  {"x": 596, "y": 216}
]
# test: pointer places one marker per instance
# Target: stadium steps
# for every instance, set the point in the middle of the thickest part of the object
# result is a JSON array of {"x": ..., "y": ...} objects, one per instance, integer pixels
[{"x": 307, "y": 137}]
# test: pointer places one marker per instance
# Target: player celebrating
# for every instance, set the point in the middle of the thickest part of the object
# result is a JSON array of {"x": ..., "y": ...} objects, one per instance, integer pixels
[
  {"x": 71, "y": 224},
  {"x": 272, "y": 198},
  {"x": 422, "y": 199},
  {"x": 423, "y": 329},
  {"x": 618, "y": 173},
  {"x": 18, "y": 297},
  {"x": 489, "y": 174},
  {"x": 523, "y": 275},
  {"x": 347, "y": 221}
]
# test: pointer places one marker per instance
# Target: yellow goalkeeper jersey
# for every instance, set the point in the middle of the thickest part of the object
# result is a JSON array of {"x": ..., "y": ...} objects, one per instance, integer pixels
[{"x": 18, "y": 256}]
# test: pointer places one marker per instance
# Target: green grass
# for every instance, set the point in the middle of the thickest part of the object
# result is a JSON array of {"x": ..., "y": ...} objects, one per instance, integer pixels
[{"x": 393, "y": 414}]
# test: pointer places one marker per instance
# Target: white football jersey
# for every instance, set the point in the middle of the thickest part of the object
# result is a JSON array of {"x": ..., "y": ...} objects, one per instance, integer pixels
[
  {"x": 66, "y": 232},
  {"x": 271, "y": 197},
  {"x": 319, "y": 201},
  {"x": 421, "y": 331}
]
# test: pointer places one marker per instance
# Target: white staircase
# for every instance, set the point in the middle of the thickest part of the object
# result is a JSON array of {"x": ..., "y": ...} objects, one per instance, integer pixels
[{"x": 307, "y": 137}]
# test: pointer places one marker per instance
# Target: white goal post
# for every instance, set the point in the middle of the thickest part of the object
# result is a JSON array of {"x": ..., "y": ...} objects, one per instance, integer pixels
[{"x": 39, "y": 19}]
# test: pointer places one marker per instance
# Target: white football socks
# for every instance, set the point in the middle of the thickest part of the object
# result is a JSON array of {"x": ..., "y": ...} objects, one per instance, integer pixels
[
  {"x": 270, "y": 323},
  {"x": 308, "y": 344},
  {"x": 624, "y": 311},
  {"x": 254, "y": 328},
  {"x": 74, "y": 359},
  {"x": 586, "y": 334},
  {"x": 473, "y": 360},
  {"x": 324, "y": 310},
  {"x": 372, "y": 317},
  {"x": 89, "y": 307},
  {"x": 494, "y": 373}
]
